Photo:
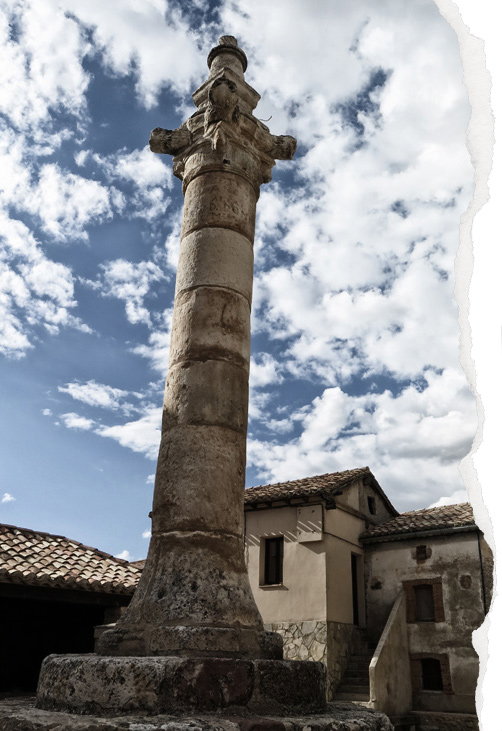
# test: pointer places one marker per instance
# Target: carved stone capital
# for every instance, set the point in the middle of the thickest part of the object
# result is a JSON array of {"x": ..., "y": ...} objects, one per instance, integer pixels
[
  {"x": 170, "y": 141},
  {"x": 224, "y": 135},
  {"x": 223, "y": 103}
]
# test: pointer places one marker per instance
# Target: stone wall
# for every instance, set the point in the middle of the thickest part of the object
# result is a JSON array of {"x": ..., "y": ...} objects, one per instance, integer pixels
[
  {"x": 341, "y": 639},
  {"x": 303, "y": 640},
  {"x": 328, "y": 642}
]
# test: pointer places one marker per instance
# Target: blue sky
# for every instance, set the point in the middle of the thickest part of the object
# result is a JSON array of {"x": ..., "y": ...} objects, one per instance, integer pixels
[{"x": 355, "y": 332}]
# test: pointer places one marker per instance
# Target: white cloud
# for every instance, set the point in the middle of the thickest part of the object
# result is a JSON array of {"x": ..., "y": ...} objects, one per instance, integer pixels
[
  {"x": 146, "y": 534},
  {"x": 354, "y": 267},
  {"x": 46, "y": 412},
  {"x": 124, "y": 555},
  {"x": 34, "y": 290},
  {"x": 131, "y": 283},
  {"x": 149, "y": 175},
  {"x": 459, "y": 496},
  {"x": 95, "y": 394},
  {"x": 147, "y": 40},
  {"x": 413, "y": 442},
  {"x": 7, "y": 498},
  {"x": 141, "y": 435},
  {"x": 172, "y": 243},
  {"x": 157, "y": 349},
  {"x": 42, "y": 75},
  {"x": 67, "y": 203},
  {"x": 141, "y": 167},
  {"x": 264, "y": 371},
  {"x": 74, "y": 421},
  {"x": 150, "y": 479},
  {"x": 60, "y": 201}
]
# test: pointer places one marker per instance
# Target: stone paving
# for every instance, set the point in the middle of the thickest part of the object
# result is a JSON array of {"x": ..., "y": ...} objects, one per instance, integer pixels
[{"x": 19, "y": 714}]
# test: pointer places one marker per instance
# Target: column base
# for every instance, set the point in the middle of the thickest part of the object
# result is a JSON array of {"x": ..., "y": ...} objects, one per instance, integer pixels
[
  {"x": 107, "y": 686},
  {"x": 189, "y": 641}
]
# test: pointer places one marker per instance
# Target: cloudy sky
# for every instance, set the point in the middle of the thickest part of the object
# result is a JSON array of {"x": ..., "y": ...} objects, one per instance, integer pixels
[{"x": 355, "y": 352}]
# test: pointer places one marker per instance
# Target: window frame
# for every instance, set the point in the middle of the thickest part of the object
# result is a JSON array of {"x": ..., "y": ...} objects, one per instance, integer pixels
[
  {"x": 273, "y": 575},
  {"x": 425, "y": 610},
  {"x": 437, "y": 594},
  {"x": 416, "y": 667}
]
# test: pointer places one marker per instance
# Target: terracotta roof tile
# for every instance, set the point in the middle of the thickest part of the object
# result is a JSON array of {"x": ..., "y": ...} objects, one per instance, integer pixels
[
  {"x": 41, "y": 559},
  {"x": 317, "y": 485},
  {"x": 445, "y": 518},
  {"x": 324, "y": 486}
]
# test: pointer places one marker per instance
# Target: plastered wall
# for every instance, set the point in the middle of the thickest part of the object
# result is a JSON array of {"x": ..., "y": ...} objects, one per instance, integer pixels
[
  {"x": 302, "y": 595},
  {"x": 455, "y": 559}
]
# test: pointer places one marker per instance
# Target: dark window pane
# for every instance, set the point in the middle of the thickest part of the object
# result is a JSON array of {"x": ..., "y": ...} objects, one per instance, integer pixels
[
  {"x": 431, "y": 674},
  {"x": 424, "y": 603},
  {"x": 372, "y": 505},
  {"x": 274, "y": 550}
]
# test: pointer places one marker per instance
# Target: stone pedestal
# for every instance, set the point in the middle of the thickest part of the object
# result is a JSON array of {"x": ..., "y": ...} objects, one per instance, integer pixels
[{"x": 162, "y": 685}]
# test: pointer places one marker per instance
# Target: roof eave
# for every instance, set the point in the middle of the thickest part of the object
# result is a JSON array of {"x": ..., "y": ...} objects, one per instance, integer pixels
[{"x": 402, "y": 536}]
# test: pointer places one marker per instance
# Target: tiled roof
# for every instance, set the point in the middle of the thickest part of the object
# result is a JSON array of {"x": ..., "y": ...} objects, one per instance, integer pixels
[
  {"x": 42, "y": 559},
  {"x": 325, "y": 486},
  {"x": 445, "y": 518},
  {"x": 140, "y": 564}
]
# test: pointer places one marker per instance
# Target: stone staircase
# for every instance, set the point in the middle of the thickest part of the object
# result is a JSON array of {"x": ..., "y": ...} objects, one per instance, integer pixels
[{"x": 355, "y": 684}]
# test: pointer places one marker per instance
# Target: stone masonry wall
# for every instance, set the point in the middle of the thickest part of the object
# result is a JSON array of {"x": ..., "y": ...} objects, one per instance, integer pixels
[
  {"x": 328, "y": 642},
  {"x": 303, "y": 640},
  {"x": 341, "y": 638}
]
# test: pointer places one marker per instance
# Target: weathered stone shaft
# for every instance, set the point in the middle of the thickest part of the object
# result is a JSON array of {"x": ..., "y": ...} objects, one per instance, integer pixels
[{"x": 194, "y": 596}]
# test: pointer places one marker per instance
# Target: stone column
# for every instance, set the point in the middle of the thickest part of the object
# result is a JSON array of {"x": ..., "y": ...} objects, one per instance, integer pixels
[
  {"x": 192, "y": 638},
  {"x": 194, "y": 596}
]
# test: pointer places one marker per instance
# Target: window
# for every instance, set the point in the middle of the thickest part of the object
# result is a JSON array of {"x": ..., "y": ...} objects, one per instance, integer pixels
[
  {"x": 421, "y": 553},
  {"x": 274, "y": 552},
  {"x": 424, "y": 603},
  {"x": 372, "y": 505},
  {"x": 424, "y": 600},
  {"x": 431, "y": 674},
  {"x": 430, "y": 671}
]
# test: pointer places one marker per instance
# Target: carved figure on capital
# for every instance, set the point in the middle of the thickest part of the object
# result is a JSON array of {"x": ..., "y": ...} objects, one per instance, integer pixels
[{"x": 223, "y": 103}]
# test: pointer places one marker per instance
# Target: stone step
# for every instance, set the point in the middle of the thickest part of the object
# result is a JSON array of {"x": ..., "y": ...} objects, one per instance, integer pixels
[
  {"x": 353, "y": 697},
  {"x": 356, "y": 678},
  {"x": 358, "y": 666},
  {"x": 358, "y": 689}
]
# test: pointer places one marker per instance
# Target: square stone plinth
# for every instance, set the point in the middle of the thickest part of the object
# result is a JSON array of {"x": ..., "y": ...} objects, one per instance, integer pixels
[{"x": 104, "y": 685}]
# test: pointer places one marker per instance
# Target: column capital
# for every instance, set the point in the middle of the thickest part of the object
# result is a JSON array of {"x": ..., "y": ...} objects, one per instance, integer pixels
[{"x": 223, "y": 134}]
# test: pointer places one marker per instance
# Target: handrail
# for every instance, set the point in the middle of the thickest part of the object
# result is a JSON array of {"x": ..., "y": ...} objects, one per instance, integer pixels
[{"x": 389, "y": 671}]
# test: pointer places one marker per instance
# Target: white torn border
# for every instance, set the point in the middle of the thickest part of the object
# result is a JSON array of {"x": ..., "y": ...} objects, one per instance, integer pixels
[{"x": 478, "y": 274}]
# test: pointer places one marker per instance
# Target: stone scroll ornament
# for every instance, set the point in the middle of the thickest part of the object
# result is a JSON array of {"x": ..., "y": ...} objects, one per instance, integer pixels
[{"x": 194, "y": 603}]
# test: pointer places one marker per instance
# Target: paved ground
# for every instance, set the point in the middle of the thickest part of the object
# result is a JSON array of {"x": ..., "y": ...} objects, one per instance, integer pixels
[{"x": 19, "y": 714}]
